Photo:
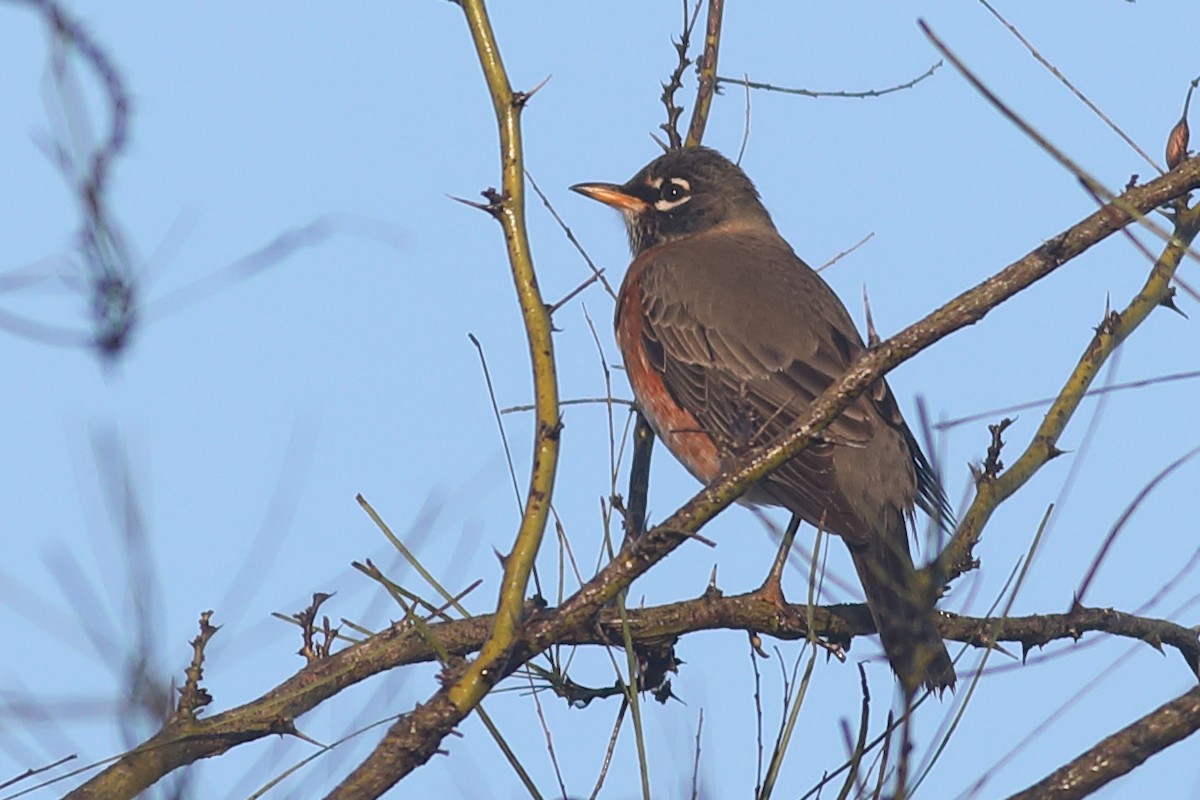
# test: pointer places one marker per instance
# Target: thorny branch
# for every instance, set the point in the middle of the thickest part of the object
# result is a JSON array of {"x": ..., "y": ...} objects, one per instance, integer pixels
[{"x": 404, "y": 643}]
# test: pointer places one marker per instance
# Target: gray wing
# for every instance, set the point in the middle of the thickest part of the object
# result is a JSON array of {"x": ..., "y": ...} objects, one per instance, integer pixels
[{"x": 745, "y": 336}]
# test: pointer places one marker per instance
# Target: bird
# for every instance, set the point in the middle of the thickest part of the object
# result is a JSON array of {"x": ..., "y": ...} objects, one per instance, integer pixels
[{"x": 727, "y": 336}]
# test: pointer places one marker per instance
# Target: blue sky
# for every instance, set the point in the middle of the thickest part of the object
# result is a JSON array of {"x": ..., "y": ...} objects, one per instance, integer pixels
[{"x": 251, "y": 418}]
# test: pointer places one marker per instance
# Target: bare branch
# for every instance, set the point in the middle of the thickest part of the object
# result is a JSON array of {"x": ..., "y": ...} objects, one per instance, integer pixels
[
  {"x": 707, "y": 69},
  {"x": 1114, "y": 756},
  {"x": 770, "y": 87}
]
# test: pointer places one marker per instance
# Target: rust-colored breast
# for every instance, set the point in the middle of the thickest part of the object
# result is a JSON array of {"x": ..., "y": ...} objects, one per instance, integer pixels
[{"x": 677, "y": 428}]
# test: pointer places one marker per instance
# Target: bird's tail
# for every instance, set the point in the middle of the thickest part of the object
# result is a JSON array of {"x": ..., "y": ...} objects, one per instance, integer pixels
[{"x": 903, "y": 611}]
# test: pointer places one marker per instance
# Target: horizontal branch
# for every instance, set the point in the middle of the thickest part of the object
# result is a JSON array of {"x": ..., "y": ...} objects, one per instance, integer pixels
[{"x": 183, "y": 742}]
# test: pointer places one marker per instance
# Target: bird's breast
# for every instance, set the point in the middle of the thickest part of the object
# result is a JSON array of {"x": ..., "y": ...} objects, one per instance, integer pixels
[{"x": 674, "y": 425}]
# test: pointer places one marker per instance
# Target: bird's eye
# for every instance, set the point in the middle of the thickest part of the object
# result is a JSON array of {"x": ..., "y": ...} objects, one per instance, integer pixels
[{"x": 673, "y": 192}]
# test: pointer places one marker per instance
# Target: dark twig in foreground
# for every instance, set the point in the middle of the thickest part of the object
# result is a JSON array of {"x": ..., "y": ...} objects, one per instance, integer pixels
[
  {"x": 675, "y": 81},
  {"x": 107, "y": 262}
]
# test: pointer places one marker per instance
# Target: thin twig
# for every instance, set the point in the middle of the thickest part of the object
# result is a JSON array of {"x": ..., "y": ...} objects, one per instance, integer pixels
[
  {"x": 770, "y": 87},
  {"x": 571, "y": 295},
  {"x": 487, "y": 378},
  {"x": 537, "y": 703},
  {"x": 746, "y": 123},
  {"x": 597, "y": 273},
  {"x": 1111, "y": 537},
  {"x": 846, "y": 252},
  {"x": 1063, "y": 78},
  {"x": 608, "y": 751},
  {"x": 1085, "y": 178},
  {"x": 578, "y": 401},
  {"x": 1045, "y": 401}
]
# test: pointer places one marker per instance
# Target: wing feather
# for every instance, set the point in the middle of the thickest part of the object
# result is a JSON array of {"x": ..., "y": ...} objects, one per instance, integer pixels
[{"x": 745, "y": 336}]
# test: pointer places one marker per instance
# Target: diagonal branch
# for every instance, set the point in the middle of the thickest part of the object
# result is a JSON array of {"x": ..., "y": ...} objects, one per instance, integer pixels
[
  {"x": 381, "y": 769},
  {"x": 992, "y": 490},
  {"x": 510, "y": 209},
  {"x": 1118, "y": 754}
]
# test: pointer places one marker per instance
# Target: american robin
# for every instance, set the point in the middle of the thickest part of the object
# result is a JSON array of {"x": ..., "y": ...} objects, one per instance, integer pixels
[{"x": 727, "y": 336}]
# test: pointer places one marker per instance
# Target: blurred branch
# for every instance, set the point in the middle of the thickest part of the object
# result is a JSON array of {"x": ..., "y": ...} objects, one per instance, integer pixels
[
  {"x": 1120, "y": 753},
  {"x": 85, "y": 167},
  {"x": 639, "y": 478},
  {"x": 1090, "y": 183}
]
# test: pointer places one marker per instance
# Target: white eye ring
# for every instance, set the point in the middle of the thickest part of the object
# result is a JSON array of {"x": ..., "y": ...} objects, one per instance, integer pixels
[{"x": 676, "y": 193}]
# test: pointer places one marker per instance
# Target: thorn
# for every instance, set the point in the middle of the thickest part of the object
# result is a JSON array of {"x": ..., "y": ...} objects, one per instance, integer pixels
[
  {"x": 493, "y": 205},
  {"x": 711, "y": 592},
  {"x": 756, "y": 644},
  {"x": 659, "y": 142},
  {"x": 663, "y": 693},
  {"x": 1053, "y": 452},
  {"x": 872, "y": 334},
  {"x": 1026, "y": 647},
  {"x": 521, "y": 98},
  {"x": 1169, "y": 302},
  {"x": 1004, "y": 651},
  {"x": 290, "y": 728}
]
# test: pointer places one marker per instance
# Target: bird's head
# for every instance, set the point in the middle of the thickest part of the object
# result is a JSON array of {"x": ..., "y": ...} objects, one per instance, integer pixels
[{"x": 680, "y": 193}]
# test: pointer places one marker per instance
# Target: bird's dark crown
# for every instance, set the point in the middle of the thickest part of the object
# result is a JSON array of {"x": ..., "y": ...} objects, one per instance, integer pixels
[{"x": 688, "y": 191}]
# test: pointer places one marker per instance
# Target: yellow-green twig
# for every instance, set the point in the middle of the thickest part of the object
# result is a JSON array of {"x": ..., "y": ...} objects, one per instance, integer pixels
[
  {"x": 509, "y": 209},
  {"x": 991, "y": 491}
]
